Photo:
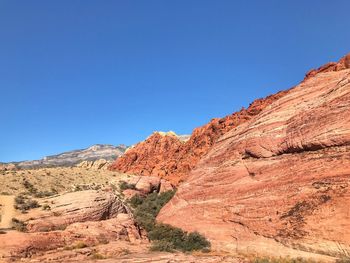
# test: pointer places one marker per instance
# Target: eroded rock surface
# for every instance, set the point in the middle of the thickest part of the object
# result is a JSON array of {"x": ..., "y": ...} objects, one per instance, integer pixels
[
  {"x": 101, "y": 164},
  {"x": 280, "y": 182},
  {"x": 75, "y": 207},
  {"x": 72, "y": 221},
  {"x": 144, "y": 185},
  {"x": 170, "y": 157}
]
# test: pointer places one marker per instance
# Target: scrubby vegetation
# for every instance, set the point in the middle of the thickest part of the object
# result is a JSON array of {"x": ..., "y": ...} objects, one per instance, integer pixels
[
  {"x": 124, "y": 185},
  {"x": 18, "y": 225},
  {"x": 34, "y": 192},
  {"x": 164, "y": 237},
  {"x": 24, "y": 203}
]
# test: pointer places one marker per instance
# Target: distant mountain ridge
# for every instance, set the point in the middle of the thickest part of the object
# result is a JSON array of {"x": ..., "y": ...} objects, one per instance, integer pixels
[{"x": 70, "y": 158}]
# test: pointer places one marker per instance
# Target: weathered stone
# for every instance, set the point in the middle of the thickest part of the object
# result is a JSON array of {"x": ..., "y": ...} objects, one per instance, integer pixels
[
  {"x": 74, "y": 207},
  {"x": 279, "y": 183},
  {"x": 167, "y": 156}
]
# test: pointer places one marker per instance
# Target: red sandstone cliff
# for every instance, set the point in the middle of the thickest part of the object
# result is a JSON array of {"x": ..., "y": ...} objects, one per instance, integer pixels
[
  {"x": 279, "y": 183},
  {"x": 166, "y": 156}
]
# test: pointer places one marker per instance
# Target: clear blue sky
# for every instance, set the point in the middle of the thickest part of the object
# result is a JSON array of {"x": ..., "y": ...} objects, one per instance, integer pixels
[{"x": 75, "y": 73}]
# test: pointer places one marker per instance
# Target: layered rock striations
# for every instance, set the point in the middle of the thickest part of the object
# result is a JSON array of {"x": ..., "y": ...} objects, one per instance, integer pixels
[
  {"x": 169, "y": 156},
  {"x": 76, "y": 220},
  {"x": 279, "y": 183}
]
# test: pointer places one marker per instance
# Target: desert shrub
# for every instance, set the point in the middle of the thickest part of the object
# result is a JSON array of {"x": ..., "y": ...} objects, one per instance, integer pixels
[
  {"x": 27, "y": 185},
  {"x": 46, "y": 207},
  {"x": 24, "y": 203},
  {"x": 194, "y": 241},
  {"x": 161, "y": 245},
  {"x": 31, "y": 204},
  {"x": 19, "y": 199},
  {"x": 164, "y": 237},
  {"x": 178, "y": 239},
  {"x": 136, "y": 200},
  {"x": 18, "y": 225},
  {"x": 124, "y": 185},
  {"x": 42, "y": 194},
  {"x": 147, "y": 208}
]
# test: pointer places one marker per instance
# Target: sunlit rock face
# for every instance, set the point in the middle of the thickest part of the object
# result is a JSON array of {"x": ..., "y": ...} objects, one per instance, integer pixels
[
  {"x": 280, "y": 182},
  {"x": 172, "y": 157}
]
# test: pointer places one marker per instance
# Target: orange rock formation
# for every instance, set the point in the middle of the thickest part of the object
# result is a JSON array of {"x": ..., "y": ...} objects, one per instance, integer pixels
[
  {"x": 278, "y": 183},
  {"x": 166, "y": 156}
]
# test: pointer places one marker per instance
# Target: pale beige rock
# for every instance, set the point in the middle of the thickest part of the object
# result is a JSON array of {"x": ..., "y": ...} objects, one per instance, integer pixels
[
  {"x": 74, "y": 207},
  {"x": 86, "y": 218}
]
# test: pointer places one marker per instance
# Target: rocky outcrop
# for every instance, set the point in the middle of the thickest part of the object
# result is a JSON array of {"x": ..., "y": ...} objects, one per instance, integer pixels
[
  {"x": 72, "y": 158},
  {"x": 70, "y": 221},
  {"x": 279, "y": 183},
  {"x": 100, "y": 164},
  {"x": 166, "y": 156},
  {"x": 75, "y": 207},
  {"x": 15, "y": 245},
  {"x": 144, "y": 185},
  {"x": 156, "y": 156},
  {"x": 343, "y": 63}
]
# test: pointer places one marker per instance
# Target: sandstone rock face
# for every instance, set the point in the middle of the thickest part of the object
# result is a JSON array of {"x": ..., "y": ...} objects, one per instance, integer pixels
[
  {"x": 75, "y": 220},
  {"x": 150, "y": 157},
  {"x": 344, "y": 63},
  {"x": 75, "y": 207},
  {"x": 170, "y": 157},
  {"x": 278, "y": 183},
  {"x": 15, "y": 245},
  {"x": 145, "y": 185}
]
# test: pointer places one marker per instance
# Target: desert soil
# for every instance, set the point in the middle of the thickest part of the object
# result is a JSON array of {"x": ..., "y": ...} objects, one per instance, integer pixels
[
  {"x": 61, "y": 179},
  {"x": 7, "y": 211}
]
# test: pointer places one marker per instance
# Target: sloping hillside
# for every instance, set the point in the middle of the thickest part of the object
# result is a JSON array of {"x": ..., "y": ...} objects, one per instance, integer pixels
[
  {"x": 280, "y": 182},
  {"x": 167, "y": 156}
]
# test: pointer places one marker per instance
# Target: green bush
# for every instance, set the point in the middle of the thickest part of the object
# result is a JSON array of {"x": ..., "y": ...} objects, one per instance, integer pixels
[
  {"x": 124, "y": 185},
  {"x": 135, "y": 201},
  {"x": 161, "y": 245},
  {"x": 164, "y": 237}
]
